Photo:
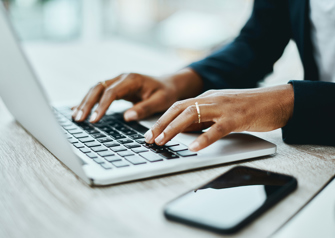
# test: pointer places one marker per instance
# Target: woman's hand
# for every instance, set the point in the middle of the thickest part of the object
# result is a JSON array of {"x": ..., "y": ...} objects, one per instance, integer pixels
[
  {"x": 149, "y": 94},
  {"x": 225, "y": 111}
]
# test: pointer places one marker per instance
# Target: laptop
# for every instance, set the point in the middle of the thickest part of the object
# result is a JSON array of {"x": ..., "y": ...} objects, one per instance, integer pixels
[{"x": 112, "y": 150}]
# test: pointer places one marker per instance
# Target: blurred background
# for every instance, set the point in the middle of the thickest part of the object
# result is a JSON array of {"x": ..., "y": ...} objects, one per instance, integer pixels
[
  {"x": 180, "y": 30},
  {"x": 189, "y": 27}
]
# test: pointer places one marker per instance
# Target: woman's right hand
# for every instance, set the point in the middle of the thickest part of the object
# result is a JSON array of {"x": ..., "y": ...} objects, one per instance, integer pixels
[{"x": 149, "y": 94}]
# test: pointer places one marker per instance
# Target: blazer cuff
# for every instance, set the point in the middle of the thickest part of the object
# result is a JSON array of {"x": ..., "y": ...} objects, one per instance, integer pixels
[{"x": 313, "y": 120}]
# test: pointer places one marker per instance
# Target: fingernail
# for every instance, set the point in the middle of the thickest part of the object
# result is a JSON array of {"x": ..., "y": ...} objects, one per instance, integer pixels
[
  {"x": 94, "y": 116},
  {"x": 194, "y": 146},
  {"x": 130, "y": 116},
  {"x": 159, "y": 139},
  {"x": 74, "y": 112},
  {"x": 148, "y": 136},
  {"x": 78, "y": 117}
]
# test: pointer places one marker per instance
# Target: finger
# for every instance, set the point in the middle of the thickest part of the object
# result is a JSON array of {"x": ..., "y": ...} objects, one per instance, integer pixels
[
  {"x": 188, "y": 117},
  {"x": 91, "y": 98},
  {"x": 198, "y": 127},
  {"x": 88, "y": 103},
  {"x": 147, "y": 107},
  {"x": 167, "y": 118},
  {"x": 75, "y": 110},
  {"x": 119, "y": 89},
  {"x": 216, "y": 132}
]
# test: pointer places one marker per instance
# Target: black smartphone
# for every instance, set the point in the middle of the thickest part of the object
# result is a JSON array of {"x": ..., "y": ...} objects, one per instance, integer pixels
[{"x": 231, "y": 201}]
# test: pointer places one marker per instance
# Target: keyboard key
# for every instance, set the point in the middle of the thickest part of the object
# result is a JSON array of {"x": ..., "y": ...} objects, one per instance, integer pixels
[
  {"x": 81, "y": 135},
  {"x": 135, "y": 159},
  {"x": 120, "y": 164},
  {"x": 171, "y": 143},
  {"x": 78, "y": 145},
  {"x": 99, "y": 161},
  {"x": 149, "y": 146},
  {"x": 92, "y": 155},
  {"x": 86, "y": 139},
  {"x": 75, "y": 131},
  {"x": 178, "y": 148},
  {"x": 129, "y": 132},
  {"x": 104, "y": 140},
  {"x": 132, "y": 145},
  {"x": 96, "y": 136},
  {"x": 102, "y": 126},
  {"x": 113, "y": 132},
  {"x": 114, "y": 124},
  {"x": 105, "y": 153},
  {"x": 72, "y": 140},
  {"x": 186, "y": 153},
  {"x": 117, "y": 137},
  {"x": 139, "y": 150},
  {"x": 68, "y": 123},
  {"x": 135, "y": 137},
  {"x": 92, "y": 131},
  {"x": 106, "y": 166},
  {"x": 124, "y": 141},
  {"x": 140, "y": 141},
  {"x": 99, "y": 148},
  {"x": 125, "y": 153},
  {"x": 92, "y": 144},
  {"x": 118, "y": 148},
  {"x": 112, "y": 158},
  {"x": 83, "y": 124},
  {"x": 111, "y": 144},
  {"x": 169, "y": 155},
  {"x": 121, "y": 128},
  {"x": 150, "y": 156},
  {"x": 85, "y": 150},
  {"x": 158, "y": 149},
  {"x": 86, "y": 128},
  {"x": 70, "y": 127}
]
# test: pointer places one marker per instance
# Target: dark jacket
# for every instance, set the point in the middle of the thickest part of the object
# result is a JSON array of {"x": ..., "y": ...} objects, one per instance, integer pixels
[{"x": 251, "y": 56}]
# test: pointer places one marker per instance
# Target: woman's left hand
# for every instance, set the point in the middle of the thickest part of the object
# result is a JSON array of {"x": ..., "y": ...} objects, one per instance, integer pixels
[{"x": 225, "y": 111}]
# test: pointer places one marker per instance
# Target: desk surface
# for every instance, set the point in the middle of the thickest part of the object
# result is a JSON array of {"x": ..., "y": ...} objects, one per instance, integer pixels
[{"x": 40, "y": 197}]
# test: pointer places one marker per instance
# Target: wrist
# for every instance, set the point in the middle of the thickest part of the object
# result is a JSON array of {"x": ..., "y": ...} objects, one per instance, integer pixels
[
  {"x": 185, "y": 83},
  {"x": 287, "y": 103}
]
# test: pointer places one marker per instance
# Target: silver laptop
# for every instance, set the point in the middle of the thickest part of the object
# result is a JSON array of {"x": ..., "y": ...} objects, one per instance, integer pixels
[{"x": 111, "y": 151}]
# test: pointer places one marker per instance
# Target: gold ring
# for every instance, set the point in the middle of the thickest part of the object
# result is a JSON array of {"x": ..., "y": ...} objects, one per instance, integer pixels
[
  {"x": 198, "y": 110},
  {"x": 103, "y": 83}
]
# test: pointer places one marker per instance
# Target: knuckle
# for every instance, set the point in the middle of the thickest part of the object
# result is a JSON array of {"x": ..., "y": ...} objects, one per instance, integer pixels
[
  {"x": 211, "y": 91},
  {"x": 191, "y": 110},
  {"x": 205, "y": 139},
  {"x": 123, "y": 75},
  {"x": 170, "y": 128},
  {"x": 158, "y": 125},
  {"x": 109, "y": 90},
  {"x": 177, "y": 106},
  {"x": 219, "y": 129},
  {"x": 133, "y": 76}
]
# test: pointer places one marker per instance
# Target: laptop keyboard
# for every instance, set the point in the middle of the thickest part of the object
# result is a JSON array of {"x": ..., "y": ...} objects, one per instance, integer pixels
[{"x": 114, "y": 143}]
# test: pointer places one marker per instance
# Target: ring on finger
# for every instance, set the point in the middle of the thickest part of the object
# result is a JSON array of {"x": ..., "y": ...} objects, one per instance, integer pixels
[
  {"x": 103, "y": 83},
  {"x": 198, "y": 111}
]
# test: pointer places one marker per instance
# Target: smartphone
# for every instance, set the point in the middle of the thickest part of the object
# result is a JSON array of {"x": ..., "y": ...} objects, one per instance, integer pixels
[{"x": 232, "y": 200}]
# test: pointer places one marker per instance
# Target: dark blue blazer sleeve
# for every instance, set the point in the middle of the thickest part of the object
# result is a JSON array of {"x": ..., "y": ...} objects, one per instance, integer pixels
[
  {"x": 250, "y": 57},
  {"x": 313, "y": 120}
]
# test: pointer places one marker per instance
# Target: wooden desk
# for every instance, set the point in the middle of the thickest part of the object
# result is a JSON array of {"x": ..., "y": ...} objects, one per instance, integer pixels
[{"x": 40, "y": 197}]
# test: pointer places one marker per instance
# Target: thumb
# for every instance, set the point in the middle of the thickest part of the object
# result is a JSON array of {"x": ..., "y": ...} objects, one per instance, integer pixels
[{"x": 155, "y": 103}]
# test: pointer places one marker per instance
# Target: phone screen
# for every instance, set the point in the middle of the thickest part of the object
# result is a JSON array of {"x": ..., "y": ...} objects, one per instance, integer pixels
[{"x": 230, "y": 200}]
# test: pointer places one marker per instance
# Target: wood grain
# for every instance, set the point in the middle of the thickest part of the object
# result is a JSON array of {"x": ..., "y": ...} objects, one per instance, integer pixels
[{"x": 40, "y": 197}]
